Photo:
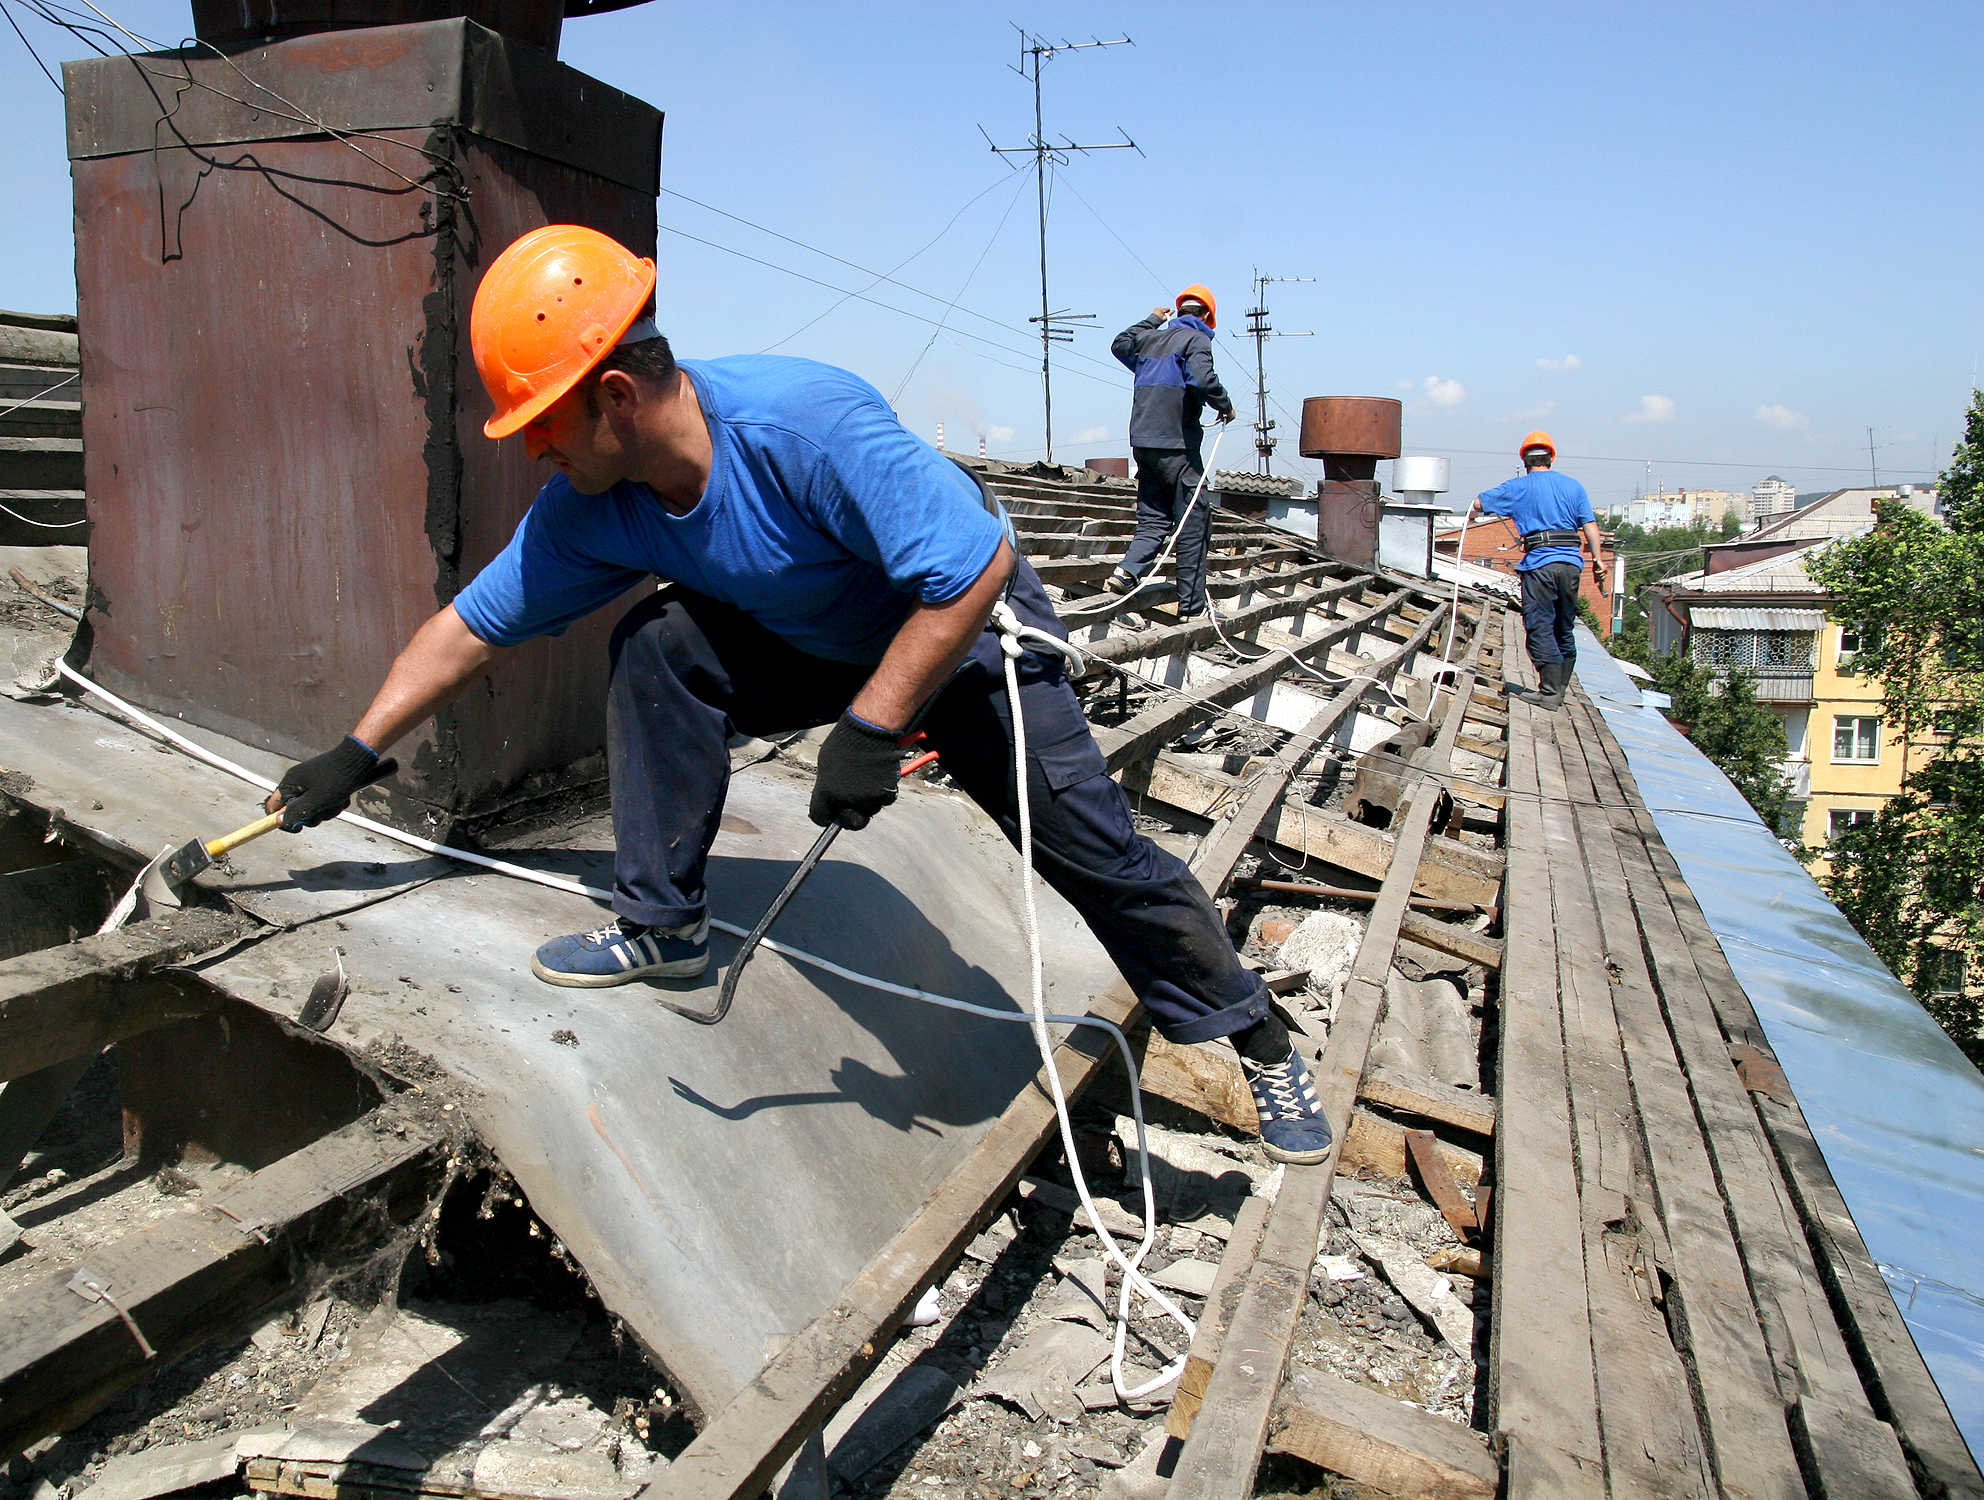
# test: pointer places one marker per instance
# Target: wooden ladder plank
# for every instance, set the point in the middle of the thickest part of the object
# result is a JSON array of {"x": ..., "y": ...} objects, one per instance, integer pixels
[{"x": 1646, "y": 1403}]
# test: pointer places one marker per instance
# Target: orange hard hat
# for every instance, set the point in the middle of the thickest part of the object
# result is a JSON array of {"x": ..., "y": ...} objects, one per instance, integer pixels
[
  {"x": 551, "y": 307},
  {"x": 1195, "y": 292},
  {"x": 1536, "y": 440}
]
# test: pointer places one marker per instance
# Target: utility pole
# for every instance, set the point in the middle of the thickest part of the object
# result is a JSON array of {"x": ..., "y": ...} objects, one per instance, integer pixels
[
  {"x": 1260, "y": 330},
  {"x": 1873, "y": 469},
  {"x": 1055, "y": 327}
]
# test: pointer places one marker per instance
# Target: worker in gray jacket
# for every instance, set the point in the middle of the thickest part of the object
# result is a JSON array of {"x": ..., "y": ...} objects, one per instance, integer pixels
[{"x": 1171, "y": 357}]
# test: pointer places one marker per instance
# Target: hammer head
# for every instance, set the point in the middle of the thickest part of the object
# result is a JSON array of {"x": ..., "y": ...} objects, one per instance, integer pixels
[{"x": 162, "y": 881}]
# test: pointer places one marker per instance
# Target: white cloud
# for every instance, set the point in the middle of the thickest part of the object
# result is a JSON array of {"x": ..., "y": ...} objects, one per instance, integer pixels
[
  {"x": 1443, "y": 392},
  {"x": 999, "y": 435},
  {"x": 1091, "y": 435},
  {"x": 1782, "y": 417},
  {"x": 1568, "y": 362},
  {"x": 1652, "y": 409},
  {"x": 1405, "y": 385},
  {"x": 1534, "y": 414}
]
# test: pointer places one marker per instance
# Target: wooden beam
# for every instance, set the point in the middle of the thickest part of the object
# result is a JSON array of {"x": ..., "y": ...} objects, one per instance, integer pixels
[
  {"x": 1084, "y": 569},
  {"x": 1172, "y": 640},
  {"x": 1438, "y": 1180},
  {"x": 200, "y": 1273},
  {"x": 1241, "y": 1248},
  {"x": 1541, "y": 1376},
  {"x": 1449, "y": 871},
  {"x": 1170, "y": 717},
  {"x": 745, "y": 1443},
  {"x": 67, "y": 1002},
  {"x": 1096, "y": 609},
  {"x": 1411, "y": 1094},
  {"x": 1221, "y": 1456},
  {"x": 1218, "y": 855},
  {"x": 1378, "y": 1145},
  {"x": 1456, "y": 942},
  {"x": 1397, "y": 1449}
]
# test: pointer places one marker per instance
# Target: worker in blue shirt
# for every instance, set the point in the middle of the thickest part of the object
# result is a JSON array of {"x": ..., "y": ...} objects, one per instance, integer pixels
[
  {"x": 1171, "y": 358},
  {"x": 824, "y": 567},
  {"x": 1554, "y": 518}
]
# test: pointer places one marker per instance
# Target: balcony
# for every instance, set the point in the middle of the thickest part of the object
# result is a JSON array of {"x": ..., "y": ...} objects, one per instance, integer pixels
[{"x": 1773, "y": 687}]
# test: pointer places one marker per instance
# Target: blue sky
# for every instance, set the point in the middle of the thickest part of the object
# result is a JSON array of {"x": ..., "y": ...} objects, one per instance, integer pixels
[{"x": 1726, "y": 240}]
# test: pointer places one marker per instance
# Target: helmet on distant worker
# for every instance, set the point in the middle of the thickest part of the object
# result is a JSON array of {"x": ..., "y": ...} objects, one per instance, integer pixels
[
  {"x": 1534, "y": 441},
  {"x": 1197, "y": 293},
  {"x": 549, "y": 308}
]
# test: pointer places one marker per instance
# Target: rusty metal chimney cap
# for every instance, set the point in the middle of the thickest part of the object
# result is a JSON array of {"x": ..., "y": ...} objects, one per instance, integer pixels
[{"x": 1363, "y": 426}]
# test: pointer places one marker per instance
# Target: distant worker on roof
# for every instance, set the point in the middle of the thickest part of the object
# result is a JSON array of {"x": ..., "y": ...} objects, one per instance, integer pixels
[
  {"x": 1554, "y": 518},
  {"x": 1171, "y": 357},
  {"x": 824, "y": 567}
]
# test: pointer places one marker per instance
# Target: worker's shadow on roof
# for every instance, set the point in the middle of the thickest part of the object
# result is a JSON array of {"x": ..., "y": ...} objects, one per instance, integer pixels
[{"x": 952, "y": 1068}]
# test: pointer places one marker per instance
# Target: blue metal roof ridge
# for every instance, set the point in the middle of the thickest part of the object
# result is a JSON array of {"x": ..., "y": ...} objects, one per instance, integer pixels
[{"x": 1896, "y": 1108}]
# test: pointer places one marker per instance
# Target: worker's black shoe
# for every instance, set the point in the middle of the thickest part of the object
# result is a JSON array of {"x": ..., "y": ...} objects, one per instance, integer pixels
[
  {"x": 1556, "y": 677},
  {"x": 1292, "y": 1125},
  {"x": 622, "y": 951},
  {"x": 1122, "y": 581}
]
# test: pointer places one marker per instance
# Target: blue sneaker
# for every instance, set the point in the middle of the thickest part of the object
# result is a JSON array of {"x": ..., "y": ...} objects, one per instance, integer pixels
[
  {"x": 1292, "y": 1125},
  {"x": 623, "y": 951}
]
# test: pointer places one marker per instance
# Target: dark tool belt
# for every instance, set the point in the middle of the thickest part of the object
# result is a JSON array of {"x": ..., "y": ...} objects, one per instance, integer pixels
[{"x": 1537, "y": 539}]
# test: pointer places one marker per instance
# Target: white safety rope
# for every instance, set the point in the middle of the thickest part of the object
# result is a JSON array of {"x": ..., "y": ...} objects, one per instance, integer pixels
[
  {"x": 1015, "y": 639},
  {"x": 1013, "y": 644}
]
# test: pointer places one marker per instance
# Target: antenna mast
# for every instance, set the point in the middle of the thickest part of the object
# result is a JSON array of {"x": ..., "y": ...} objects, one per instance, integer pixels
[
  {"x": 1260, "y": 330},
  {"x": 1055, "y": 327}
]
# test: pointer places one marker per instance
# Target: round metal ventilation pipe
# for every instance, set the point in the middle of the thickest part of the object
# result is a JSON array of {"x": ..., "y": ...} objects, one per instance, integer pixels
[{"x": 1418, "y": 480}]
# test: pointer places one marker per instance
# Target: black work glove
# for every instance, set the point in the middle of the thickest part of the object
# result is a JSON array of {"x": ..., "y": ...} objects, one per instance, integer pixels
[
  {"x": 321, "y": 787},
  {"x": 857, "y": 775}
]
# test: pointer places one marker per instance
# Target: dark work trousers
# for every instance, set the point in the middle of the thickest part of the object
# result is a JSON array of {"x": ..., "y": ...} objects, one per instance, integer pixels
[
  {"x": 688, "y": 670},
  {"x": 1166, "y": 480},
  {"x": 1550, "y": 611}
]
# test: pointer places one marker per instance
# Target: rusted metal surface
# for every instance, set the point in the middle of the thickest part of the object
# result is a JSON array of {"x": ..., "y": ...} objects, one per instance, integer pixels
[
  {"x": 1351, "y": 426},
  {"x": 229, "y": 23},
  {"x": 282, "y": 421},
  {"x": 1348, "y": 515}
]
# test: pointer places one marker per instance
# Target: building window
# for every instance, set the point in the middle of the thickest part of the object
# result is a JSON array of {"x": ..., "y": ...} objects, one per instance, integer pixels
[
  {"x": 1853, "y": 639},
  {"x": 1948, "y": 970},
  {"x": 1768, "y": 652},
  {"x": 1856, "y": 739},
  {"x": 1839, "y": 819}
]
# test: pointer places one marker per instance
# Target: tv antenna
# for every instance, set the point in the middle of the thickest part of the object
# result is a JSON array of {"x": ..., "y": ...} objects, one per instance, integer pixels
[
  {"x": 1260, "y": 330},
  {"x": 1055, "y": 327}
]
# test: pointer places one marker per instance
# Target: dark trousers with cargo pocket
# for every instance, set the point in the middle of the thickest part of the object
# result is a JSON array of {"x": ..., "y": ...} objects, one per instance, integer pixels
[
  {"x": 1550, "y": 611},
  {"x": 1167, "y": 478},
  {"x": 687, "y": 671}
]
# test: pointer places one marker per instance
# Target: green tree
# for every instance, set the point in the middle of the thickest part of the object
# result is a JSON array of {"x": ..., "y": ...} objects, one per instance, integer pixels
[
  {"x": 1741, "y": 738},
  {"x": 1912, "y": 880},
  {"x": 1962, "y": 483}
]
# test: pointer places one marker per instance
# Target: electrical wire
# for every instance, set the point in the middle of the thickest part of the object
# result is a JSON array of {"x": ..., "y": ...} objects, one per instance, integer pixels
[
  {"x": 30, "y": 46},
  {"x": 916, "y": 363},
  {"x": 67, "y": 380},
  {"x": 1161, "y": 283},
  {"x": 863, "y": 297}
]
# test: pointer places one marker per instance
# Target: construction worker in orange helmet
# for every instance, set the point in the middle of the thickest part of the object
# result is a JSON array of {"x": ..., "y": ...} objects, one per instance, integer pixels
[
  {"x": 825, "y": 567},
  {"x": 1554, "y": 518},
  {"x": 1170, "y": 354}
]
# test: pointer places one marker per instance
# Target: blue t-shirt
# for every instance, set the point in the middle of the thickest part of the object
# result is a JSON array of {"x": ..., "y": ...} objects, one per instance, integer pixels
[
  {"x": 823, "y": 519},
  {"x": 1542, "y": 500}
]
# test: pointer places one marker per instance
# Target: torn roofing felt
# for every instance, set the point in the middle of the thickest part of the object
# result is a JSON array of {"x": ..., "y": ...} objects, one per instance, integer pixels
[{"x": 1896, "y": 1107}]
